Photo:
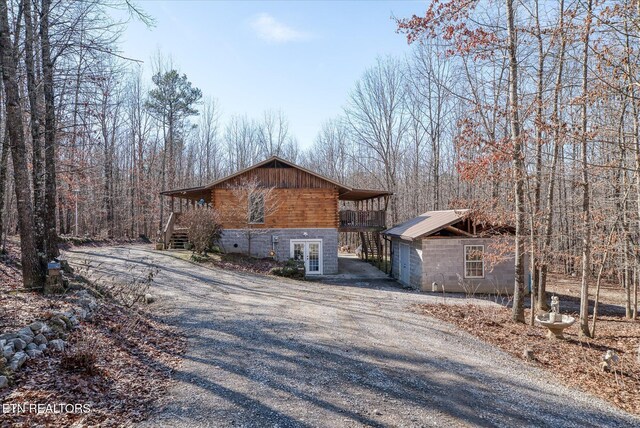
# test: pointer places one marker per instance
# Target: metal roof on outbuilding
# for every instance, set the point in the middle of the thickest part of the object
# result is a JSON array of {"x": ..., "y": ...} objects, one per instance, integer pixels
[{"x": 426, "y": 224}]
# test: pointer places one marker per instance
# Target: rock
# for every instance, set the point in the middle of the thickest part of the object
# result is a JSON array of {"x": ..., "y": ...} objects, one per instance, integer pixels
[
  {"x": 42, "y": 347},
  {"x": 45, "y": 329},
  {"x": 527, "y": 354},
  {"x": 3, "y": 362},
  {"x": 69, "y": 319},
  {"x": 88, "y": 304},
  {"x": 19, "y": 344},
  {"x": 26, "y": 339},
  {"x": 4, "y": 382},
  {"x": 2, "y": 343},
  {"x": 17, "y": 360},
  {"x": 149, "y": 298},
  {"x": 40, "y": 339},
  {"x": 74, "y": 320},
  {"x": 67, "y": 322},
  {"x": 34, "y": 353},
  {"x": 81, "y": 313},
  {"x": 57, "y": 324},
  {"x": 8, "y": 350},
  {"x": 8, "y": 336},
  {"x": 377, "y": 412},
  {"x": 609, "y": 360},
  {"x": 31, "y": 346},
  {"x": 36, "y": 326},
  {"x": 25, "y": 332},
  {"x": 82, "y": 294},
  {"x": 57, "y": 344}
]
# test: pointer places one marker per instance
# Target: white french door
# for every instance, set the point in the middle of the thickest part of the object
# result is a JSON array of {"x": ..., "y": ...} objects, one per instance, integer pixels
[{"x": 309, "y": 250}]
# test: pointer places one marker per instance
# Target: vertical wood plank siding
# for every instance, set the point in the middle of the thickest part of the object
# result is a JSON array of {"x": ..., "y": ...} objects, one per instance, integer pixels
[
  {"x": 305, "y": 201},
  {"x": 286, "y": 178}
]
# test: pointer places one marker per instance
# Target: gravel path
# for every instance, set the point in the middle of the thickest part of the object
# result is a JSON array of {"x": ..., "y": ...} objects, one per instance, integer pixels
[{"x": 266, "y": 352}]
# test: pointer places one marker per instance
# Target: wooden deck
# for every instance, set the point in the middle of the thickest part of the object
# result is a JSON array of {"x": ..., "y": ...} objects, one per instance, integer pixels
[{"x": 361, "y": 221}]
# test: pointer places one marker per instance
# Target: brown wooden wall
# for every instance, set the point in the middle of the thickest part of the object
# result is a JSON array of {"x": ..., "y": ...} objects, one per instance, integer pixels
[
  {"x": 287, "y": 178},
  {"x": 298, "y": 208}
]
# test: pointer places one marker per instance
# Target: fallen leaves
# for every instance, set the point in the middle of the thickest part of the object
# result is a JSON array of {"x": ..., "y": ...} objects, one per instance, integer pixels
[
  {"x": 575, "y": 360},
  {"x": 242, "y": 263},
  {"x": 135, "y": 354}
]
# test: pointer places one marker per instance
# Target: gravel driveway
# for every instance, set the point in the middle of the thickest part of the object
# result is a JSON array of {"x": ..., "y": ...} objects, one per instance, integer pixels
[{"x": 266, "y": 352}]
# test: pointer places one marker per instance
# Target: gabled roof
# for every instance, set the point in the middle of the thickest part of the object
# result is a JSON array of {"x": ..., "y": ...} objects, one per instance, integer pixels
[
  {"x": 426, "y": 224},
  {"x": 282, "y": 161},
  {"x": 345, "y": 192}
]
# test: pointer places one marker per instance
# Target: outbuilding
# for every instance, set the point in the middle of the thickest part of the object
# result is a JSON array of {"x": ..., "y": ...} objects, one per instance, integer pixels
[{"x": 449, "y": 251}]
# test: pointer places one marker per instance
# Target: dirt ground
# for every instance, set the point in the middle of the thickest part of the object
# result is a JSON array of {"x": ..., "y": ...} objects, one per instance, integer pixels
[{"x": 265, "y": 351}]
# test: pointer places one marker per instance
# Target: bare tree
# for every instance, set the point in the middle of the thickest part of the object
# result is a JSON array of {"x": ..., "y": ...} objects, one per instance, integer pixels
[
  {"x": 273, "y": 133},
  {"x": 377, "y": 118},
  {"x": 242, "y": 143},
  {"x": 252, "y": 207},
  {"x": 211, "y": 153},
  {"x": 32, "y": 274},
  {"x": 586, "y": 203},
  {"x": 518, "y": 165}
]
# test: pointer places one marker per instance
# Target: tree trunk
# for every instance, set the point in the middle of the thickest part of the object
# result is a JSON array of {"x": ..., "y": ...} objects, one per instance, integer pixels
[
  {"x": 636, "y": 136},
  {"x": 586, "y": 204},
  {"x": 4, "y": 164},
  {"x": 557, "y": 146},
  {"x": 51, "y": 235},
  {"x": 32, "y": 274},
  {"x": 518, "y": 168},
  {"x": 36, "y": 143}
]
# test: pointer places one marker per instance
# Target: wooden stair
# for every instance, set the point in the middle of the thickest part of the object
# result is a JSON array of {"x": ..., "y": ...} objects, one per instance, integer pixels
[
  {"x": 179, "y": 238},
  {"x": 371, "y": 245}
]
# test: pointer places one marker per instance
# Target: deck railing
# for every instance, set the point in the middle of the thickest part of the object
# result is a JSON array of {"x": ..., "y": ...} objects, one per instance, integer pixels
[{"x": 362, "y": 219}]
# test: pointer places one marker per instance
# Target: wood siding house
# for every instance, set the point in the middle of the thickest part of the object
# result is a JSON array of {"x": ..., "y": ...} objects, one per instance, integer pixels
[
  {"x": 449, "y": 249},
  {"x": 305, "y": 225}
]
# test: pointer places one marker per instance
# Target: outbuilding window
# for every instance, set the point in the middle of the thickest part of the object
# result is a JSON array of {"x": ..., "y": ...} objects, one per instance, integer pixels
[
  {"x": 474, "y": 261},
  {"x": 256, "y": 208}
]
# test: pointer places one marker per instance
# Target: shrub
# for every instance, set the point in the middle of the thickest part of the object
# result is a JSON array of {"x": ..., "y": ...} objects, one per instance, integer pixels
[
  {"x": 81, "y": 357},
  {"x": 199, "y": 258},
  {"x": 204, "y": 228},
  {"x": 291, "y": 269}
]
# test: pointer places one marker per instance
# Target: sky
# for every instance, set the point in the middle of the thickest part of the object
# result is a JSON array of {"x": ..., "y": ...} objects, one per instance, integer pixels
[{"x": 299, "y": 57}]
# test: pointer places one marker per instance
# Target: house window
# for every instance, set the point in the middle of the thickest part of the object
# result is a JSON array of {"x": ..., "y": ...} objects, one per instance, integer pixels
[
  {"x": 256, "y": 208},
  {"x": 474, "y": 261}
]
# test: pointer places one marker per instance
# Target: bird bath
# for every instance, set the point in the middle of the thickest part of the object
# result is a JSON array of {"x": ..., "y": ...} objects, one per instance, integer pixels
[{"x": 555, "y": 323}]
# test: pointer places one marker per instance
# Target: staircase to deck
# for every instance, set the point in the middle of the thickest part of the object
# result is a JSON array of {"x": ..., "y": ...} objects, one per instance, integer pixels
[
  {"x": 179, "y": 238},
  {"x": 371, "y": 244}
]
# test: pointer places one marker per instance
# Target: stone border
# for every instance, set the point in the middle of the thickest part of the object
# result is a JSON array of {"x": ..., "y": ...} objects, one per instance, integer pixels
[{"x": 43, "y": 336}]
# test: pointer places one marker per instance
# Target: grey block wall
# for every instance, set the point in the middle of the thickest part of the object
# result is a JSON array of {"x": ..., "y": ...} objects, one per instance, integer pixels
[
  {"x": 235, "y": 241},
  {"x": 444, "y": 264},
  {"x": 441, "y": 260}
]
